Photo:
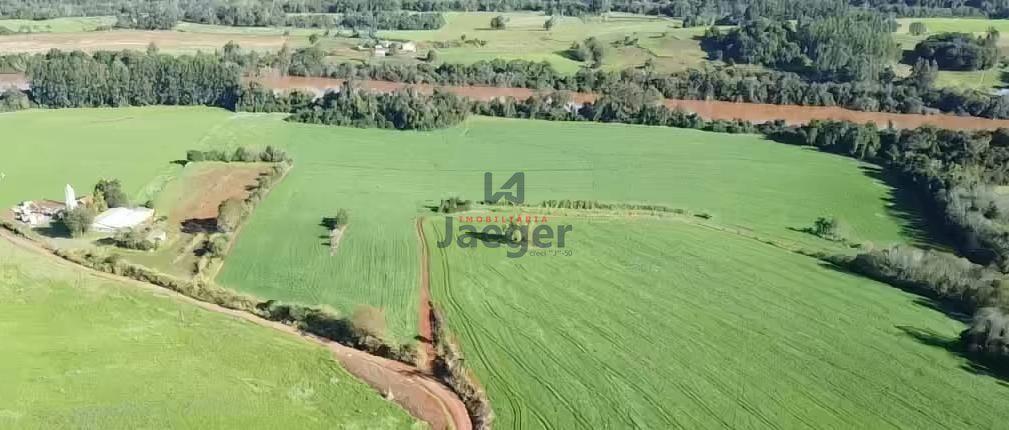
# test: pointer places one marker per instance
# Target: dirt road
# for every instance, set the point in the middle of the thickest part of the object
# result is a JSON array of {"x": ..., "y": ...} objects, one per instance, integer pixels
[
  {"x": 424, "y": 315},
  {"x": 421, "y": 395}
]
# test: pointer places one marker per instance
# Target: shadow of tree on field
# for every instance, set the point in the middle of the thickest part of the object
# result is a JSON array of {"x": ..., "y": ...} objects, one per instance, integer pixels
[
  {"x": 903, "y": 205},
  {"x": 924, "y": 298},
  {"x": 54, "y": 230},
  {"x": 199, "y": 225},
  {"x": 974, "y": 364}
]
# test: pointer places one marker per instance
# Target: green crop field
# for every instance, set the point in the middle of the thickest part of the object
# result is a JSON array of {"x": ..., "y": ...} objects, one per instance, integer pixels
[
  {"x": 81, "y": 352},
  {"x": 721, "y": 330},
  {"x": 385, "y": 178},
  {"x": 669, "y": 324},
  {"x": 45, "y": 150}
]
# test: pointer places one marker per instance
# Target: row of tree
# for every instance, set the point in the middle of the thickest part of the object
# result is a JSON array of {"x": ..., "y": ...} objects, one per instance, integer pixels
[
  {"x": 914, "y": 94},
  {"x": 694, "y": 12},
  {"x": 377, "y": 20}
]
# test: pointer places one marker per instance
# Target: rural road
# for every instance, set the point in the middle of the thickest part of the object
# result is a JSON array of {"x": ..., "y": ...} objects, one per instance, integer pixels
[{"x": 420, "y": 394}]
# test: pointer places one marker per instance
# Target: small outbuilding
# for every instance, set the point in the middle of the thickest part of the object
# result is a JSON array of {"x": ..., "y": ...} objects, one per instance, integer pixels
[{"x": 409, "y": 47}]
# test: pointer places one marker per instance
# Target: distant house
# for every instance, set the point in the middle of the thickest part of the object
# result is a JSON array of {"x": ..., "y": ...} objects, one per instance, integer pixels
[
  {"x": 380, "y": 51},
  {"x": 409, "y": 47},
  {"x": 384, "y": 43}
]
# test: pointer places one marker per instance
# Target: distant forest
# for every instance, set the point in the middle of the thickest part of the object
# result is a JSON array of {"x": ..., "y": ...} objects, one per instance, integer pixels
[{"x": 163, "y": 14}]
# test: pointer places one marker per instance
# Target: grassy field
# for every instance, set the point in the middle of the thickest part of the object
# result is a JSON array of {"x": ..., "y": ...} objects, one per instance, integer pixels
[
  {"x": 80, "y": 352},
  {"x": 45, "y": 150},
  {"x": 669, "y": 324},
  {"x": 58, "y": 25},
  {"x": 385, "y": 178},
  {"x": 650, "y": 323},
  {"x": 671, "y": 47},
  {"x": 662, "y": 40}
]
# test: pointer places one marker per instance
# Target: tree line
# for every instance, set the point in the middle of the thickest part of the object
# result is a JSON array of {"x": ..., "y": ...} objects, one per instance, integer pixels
[
  {"x": 693, "y": 12},
  {"x": 129, "y": 78},
  {"x": 62, "y": 79},
  {"x": 914, "y": 94},
  {"x": 377, "y": 20}
]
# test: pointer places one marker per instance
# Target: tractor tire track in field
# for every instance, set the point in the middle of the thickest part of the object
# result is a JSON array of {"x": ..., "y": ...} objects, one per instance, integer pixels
[{"x": 417, "y": 392}]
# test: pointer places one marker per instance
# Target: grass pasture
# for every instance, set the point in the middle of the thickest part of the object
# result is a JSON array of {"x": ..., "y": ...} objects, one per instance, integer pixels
[
  {"x": 669, "y": 324},
  {"x": 58, "y": 25},
  {"x": 385, "y": 178},
  {"x": 524, "y": 38},
  {"x": 83, "y": 352},
  {"x": 45, "y": 150},
  {"x": 661, "y": 39}
]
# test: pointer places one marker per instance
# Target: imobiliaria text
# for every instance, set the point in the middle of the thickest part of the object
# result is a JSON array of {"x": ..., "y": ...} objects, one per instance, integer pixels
[{"x": 517, "y": 232}]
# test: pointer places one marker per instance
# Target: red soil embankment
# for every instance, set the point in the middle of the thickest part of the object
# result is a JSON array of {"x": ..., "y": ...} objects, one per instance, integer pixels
[{"x": 752, "y": 112}]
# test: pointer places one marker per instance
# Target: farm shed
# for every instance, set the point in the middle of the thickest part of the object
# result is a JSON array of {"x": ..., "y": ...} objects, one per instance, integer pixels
[
  {"x": 116, "y": 219},
  {"x": 38, "y": 212}
]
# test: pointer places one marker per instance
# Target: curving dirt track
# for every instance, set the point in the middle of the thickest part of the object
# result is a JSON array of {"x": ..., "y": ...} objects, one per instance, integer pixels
[
  {"x": 422, "y": 396},
  {"x": 753, "y": 112}
]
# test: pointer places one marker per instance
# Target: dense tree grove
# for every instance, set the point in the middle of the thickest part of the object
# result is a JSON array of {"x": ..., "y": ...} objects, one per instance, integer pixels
[
  {"x": 850, "y": 46},
  {"x": 959, "y": 51},
  {"x": 130, "y": 78},
  {"x": 404, "y": 109}
]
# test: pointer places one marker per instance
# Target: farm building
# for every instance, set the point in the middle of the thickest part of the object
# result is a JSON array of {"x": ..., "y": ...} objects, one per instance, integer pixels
[
  {"x": 409, "y": 47},
  {"x": 38, "y": 212},
  {"x": 380, "y": 51},
  {"x": 117, "y": 219}
]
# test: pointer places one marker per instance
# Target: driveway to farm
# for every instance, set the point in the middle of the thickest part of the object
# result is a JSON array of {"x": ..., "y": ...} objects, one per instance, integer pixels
[{"x": 421, "y": 395}]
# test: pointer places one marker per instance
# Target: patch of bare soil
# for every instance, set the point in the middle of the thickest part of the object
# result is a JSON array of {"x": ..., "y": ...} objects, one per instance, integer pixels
[
  {"x": 753, "y": 112},
  {"x": 421, "y": 395},
  {"x": 206, "y": 190},
  {"x": 335, "y": 236}
]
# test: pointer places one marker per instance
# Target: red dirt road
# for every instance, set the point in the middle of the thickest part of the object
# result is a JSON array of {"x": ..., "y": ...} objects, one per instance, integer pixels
[
  {"x": 421, "y": 395},
  {"x": 753, "y": 112},
  {"x": 424, "y": 314}
]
